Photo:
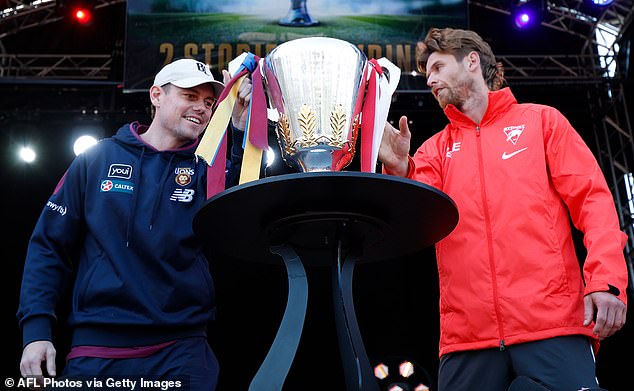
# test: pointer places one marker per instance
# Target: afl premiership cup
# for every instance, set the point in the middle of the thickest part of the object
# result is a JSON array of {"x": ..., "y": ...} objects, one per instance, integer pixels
[{"x": 316, "y": 86}]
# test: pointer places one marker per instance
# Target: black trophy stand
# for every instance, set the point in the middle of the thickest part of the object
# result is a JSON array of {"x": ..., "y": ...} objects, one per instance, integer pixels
[{"x": 334, "y": 219}]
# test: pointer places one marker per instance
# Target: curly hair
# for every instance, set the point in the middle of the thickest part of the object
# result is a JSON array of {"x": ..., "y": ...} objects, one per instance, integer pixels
[{"x": 460, "y": 43}]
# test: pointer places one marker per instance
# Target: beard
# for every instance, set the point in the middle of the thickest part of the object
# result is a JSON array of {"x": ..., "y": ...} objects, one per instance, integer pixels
[{"x": 456, "y": 95}]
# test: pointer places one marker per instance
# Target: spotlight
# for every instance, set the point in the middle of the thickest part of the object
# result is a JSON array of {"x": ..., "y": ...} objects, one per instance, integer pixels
[
  {"x": 526, "y": 14},
  {"x": 397, "y": 373},
  {"x": 523, "y": 19},
  {"x": 82, "y": 15},
  {"x": 76, "y": 11},
  {"x": 602, "y": 3},
  {"x": 381, "y": 371},
  {"x": 27, "y": 154},
  {"x": 406, "y": 369},
  {"x": 83, "y": 143}
]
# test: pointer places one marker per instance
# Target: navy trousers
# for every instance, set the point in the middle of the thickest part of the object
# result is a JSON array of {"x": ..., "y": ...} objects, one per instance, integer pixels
[
  {"x": 189, "y": 361},
  {"x": 558, "y": 364}
]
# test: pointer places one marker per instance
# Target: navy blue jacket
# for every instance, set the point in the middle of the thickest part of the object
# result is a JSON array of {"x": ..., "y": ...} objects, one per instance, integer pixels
[{"x": 118, "y": 227}]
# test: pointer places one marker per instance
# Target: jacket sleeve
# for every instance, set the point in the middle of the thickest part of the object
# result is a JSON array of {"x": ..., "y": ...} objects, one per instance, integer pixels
[
  {"x": 48, "y": 265},
  {"x": 426, "y": 164},
  {"x": 579, "y": 181}
]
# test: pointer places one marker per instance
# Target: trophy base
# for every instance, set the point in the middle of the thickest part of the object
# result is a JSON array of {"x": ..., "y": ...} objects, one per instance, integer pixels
[
  {"x": 333, "y": 219},
  {"x": 422, "y": 216},
  {"x": 321, "y": 158},
  {"x": 319, "y": 234}
]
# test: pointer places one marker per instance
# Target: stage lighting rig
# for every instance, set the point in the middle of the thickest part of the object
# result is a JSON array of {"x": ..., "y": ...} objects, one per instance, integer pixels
[
  {"x": 80, "y": 12},
  {"x": 526, "y": 13},
  {"x": 82, "y": 15},
  {"x": 397, "y": 373},
  {"x": 601, "y": 3}
]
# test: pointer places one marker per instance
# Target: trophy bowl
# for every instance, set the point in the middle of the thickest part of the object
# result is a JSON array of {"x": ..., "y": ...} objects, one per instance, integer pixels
[{"x": 315, "y": 85}]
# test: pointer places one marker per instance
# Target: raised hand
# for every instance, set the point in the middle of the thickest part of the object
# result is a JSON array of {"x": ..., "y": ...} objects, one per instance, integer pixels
[
  {"x": 394, "y": 149},
  {"x": 241, "y": 108}
]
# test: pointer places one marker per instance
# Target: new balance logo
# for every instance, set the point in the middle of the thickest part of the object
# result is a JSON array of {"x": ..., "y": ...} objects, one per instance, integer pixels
[{"x": 182, "y": 195}]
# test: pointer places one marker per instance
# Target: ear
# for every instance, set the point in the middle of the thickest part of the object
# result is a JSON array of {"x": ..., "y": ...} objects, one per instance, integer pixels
[
  {"x": 156, "y": 93},
  {"x": 473, "y": 61}
]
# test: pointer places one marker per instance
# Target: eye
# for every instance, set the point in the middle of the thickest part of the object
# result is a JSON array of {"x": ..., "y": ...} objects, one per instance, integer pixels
[
  {"x": 434, "y": 68},
  {"x": 209, "y": 103}
]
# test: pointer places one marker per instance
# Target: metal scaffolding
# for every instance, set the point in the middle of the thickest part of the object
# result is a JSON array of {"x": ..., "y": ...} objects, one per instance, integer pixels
[
  {"x": 56, "y": 66},
  {"x": 595, "y": 65},
  {"x": 613, "y": 136},
  {"x": 22, "y": 15}
]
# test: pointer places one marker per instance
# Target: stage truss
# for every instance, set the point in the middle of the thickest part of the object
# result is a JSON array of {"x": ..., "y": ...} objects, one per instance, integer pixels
[{"x": 596, "y": 64}]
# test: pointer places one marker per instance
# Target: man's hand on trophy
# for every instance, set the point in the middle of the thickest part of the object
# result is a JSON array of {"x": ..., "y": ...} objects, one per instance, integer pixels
[
  {"x": 394, "y": 149},
  {"x": 241, "y": 108}
]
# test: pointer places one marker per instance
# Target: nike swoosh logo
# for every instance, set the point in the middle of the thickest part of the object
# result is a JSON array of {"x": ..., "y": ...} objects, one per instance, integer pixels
[{"x": 510, "y": 155}]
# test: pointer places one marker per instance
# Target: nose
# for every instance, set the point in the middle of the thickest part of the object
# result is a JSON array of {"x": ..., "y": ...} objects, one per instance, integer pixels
[
  {"x": 431, "y": 81},
  {"x": 200, "y": 106}
]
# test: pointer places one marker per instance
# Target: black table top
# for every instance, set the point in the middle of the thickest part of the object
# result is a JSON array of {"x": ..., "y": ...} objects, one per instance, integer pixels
[{"x": 386, "y": 217}]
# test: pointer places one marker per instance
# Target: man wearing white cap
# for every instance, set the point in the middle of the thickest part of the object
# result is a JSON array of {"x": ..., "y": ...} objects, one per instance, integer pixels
[{"x": 118, "y": 228}]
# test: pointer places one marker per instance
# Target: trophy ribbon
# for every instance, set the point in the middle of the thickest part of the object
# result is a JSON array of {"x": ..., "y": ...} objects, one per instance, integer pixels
[
  {"x": 368, "y": 117},
  {"x": 213, "y": 145},
  {"x": 256, "y": 140},
  {"x": 388, "y": 81},
  {"x": 384, "y": 77}
]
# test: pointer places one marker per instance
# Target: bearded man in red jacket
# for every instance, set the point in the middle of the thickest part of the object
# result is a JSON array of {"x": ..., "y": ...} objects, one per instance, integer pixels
[{"x": 513, "y": 300}]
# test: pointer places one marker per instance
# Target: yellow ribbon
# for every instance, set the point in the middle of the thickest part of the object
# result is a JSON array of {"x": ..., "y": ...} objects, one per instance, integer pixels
[
  {"x": 251, "y": 161},
  {"x": 217, "y": 127}
]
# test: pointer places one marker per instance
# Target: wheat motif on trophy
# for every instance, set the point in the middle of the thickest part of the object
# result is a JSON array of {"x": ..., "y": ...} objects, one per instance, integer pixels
[
  {"x": 337, "y": 124},
  {"x": 284, "y": 130},
  {"x": 307, "y": 123}
]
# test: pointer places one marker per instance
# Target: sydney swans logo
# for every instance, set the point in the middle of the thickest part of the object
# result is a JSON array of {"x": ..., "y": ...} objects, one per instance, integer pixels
[{"x": 513, "y": 133}]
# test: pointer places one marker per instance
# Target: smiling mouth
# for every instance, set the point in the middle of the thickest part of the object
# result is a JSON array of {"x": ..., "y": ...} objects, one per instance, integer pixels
[{"x": 194, "y": 120}]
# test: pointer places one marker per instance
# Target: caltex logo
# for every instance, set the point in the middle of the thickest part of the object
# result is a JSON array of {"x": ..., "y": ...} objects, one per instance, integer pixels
[{"x": 106, "y": 185}]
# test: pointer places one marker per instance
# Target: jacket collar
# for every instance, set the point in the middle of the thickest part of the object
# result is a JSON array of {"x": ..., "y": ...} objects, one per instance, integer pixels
[
  {"x": 499, "y": 101},
  {"x": 130, "y": 134}
]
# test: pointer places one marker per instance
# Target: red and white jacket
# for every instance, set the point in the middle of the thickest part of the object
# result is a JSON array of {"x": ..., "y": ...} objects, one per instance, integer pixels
[{"x": 508, "y": 272}]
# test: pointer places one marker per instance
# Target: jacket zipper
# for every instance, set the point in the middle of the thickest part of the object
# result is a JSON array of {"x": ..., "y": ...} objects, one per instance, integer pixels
[{"x": 489, "y": 237}]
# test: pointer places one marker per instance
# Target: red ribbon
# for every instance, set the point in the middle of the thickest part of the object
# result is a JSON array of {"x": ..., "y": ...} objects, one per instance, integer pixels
[
  {"x": 258, "y": 128},
  {"x": 216, "y": 172},
  {"x": 367, "y": 118},
  {"x": 258, "y": 123}
]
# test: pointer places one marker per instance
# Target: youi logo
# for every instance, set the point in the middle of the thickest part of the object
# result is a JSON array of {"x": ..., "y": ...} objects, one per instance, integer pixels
[{"x": 123, "y": 171}]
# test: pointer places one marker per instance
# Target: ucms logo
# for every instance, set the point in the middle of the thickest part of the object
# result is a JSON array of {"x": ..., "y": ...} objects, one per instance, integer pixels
[{"x": 56, "y": 208}]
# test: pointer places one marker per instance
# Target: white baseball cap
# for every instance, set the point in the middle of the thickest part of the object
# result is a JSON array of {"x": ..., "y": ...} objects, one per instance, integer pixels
[{"x": 187, "y": 73}]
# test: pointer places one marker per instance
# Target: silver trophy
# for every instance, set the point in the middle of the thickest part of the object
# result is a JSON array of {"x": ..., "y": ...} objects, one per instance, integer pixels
[{"x": 315, "y": 84}]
